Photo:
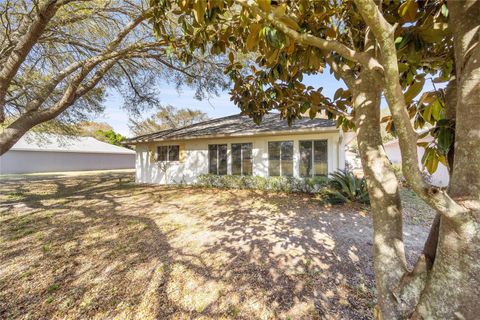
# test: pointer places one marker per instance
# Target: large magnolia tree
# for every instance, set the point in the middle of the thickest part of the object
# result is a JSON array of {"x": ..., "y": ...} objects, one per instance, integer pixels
[
  {"x": 59, "y": 57},
  {"x": 383, "y": 47}
]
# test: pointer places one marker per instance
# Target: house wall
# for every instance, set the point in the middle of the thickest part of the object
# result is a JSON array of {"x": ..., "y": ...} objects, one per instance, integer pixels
[
  {"x": 439, "y": 178},
  {"x": 16, "y": 161},
  {"x": 196, "y": 157}
]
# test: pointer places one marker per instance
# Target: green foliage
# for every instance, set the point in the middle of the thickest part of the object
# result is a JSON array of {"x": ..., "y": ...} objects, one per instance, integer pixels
[
  {"x": 273, "y": 79},
  {"x": 280, "y": 184},
  {"x": 110, "y": 136},
  {"x": 345, "y": 186},
  {"x": 342, "y": 187}
]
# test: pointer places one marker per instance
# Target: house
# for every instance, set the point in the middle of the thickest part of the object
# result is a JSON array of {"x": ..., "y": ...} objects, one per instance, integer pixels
[
  {"x": 41, "y": 152},
  {"x": 235, "y": 145},
  {"x": 439, "y": 178}
]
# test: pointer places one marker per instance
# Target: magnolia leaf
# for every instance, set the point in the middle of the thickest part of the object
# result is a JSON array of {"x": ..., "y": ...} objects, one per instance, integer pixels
[
  {"x": 435, "y": 32},
  {"x": 331, "y": 33},
  {"x": 199, "y": 8},
  {"x": 290, "y": 22},
  {"x": 280, "y": 10},
  {"x": 385, "y": 119},
  {"x": 290, "y": 47},
  {"x": 252, "y": 38},
  {"x": 423, "y": 144},
  {"x": 427, "y": 113},
  {"x": 264, "y": 5},
  {"x": 231, "y": 57},
  {"x": 338, "y": 93},
  {"x": 443, "y": 160},
  {"x": 430, "y": 160},
  {"x": 427, "y": 98},
  {"x": 444, "y": 140},
  {"x": 414, "y": 89},
  {"x": 444, "y": 10},
  {"x": 402, "y": 67},
  {"x": 432, "y": 164},
  {"x": 315, "y": 96},
  {"x": 437, "y": 110},
  {"x": 273, "y": 56},
  {"x": 408, "y": 10}
]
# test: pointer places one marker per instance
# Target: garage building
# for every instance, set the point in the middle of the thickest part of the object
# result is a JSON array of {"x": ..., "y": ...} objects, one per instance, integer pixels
[{"x": 56, "y": 153}]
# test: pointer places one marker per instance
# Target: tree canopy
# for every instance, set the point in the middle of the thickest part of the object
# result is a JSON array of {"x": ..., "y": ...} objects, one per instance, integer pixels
[
  {"x": 167, "y": 117},
  {"x": 388, "y": 48},
  {"x": 59, "y": 58}
]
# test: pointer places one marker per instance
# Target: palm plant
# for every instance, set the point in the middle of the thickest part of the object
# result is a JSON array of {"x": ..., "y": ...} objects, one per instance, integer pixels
[{"x": 348, "y": 188}]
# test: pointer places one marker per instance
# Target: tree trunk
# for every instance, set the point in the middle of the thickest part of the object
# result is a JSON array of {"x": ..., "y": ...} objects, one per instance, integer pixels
[
  {"x": 389, "y": 256},
  {"x": 12, "y": 133},
  {"x": 453, "y": 286}
]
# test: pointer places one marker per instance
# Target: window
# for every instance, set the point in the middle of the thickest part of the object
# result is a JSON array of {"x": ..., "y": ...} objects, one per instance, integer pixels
[
  {"x": 280, "y": 158},
  {"x": 168, "y": 153},
  {"x": 217, "y": 159},
  {"x": 242, "y": 159},
  {"x": 313, "y": 158}
]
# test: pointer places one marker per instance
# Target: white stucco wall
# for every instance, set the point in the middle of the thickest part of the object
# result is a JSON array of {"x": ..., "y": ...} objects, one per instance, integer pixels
[
  {"x": 15, "y": 161},
  {"x": 196, "y": 157},
  {"x": 439, "y": 178}
]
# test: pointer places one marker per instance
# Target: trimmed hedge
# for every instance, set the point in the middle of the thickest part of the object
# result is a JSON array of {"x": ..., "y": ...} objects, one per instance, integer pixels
[
  {"x": 341, "y": 187},
  {"x": 283, "y": 184}
]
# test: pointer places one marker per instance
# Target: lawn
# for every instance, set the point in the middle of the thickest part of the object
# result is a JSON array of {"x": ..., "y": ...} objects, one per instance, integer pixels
[{"x": 100, "y": 246}]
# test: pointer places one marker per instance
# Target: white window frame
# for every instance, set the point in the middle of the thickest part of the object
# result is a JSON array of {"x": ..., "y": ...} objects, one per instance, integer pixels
[
  {"x": 168, "y": 153},
  {"x": 312, "y": 141}
]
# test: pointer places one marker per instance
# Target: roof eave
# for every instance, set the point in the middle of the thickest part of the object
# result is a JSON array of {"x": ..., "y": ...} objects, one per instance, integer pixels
[{"x": 235, "y": 135}]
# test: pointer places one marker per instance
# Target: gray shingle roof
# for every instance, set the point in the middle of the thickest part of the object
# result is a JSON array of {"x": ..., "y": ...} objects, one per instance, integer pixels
[
  {"x": 236, "y": 125},
  {"x": 35, "y": 141}
]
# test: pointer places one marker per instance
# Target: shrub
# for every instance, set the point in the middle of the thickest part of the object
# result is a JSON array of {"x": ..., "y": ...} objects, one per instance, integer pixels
[
  {"x": 347, "y": 187},
  {"x": 342, "y": 187},
  {"x": 282, "y": 184}
]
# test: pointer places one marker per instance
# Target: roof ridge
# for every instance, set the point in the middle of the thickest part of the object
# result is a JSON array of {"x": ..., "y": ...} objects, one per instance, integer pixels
[
  {"x": 234, "y": 124},
  {"x": 185, "y": 127}
]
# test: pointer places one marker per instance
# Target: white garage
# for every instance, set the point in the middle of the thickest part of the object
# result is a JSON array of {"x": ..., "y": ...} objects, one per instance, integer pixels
[{"x": 55, "y": 153}]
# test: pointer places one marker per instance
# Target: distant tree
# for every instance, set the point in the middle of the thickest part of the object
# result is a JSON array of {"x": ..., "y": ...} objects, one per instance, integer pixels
[
  {"x": 90, "y": 128},
  {"x": 167, "y": 117},
  {"x": 59, "y": 57},
  {"x": 109, "y": 136}
]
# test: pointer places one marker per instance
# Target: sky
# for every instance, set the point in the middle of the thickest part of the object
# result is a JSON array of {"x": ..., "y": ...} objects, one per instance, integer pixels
[{"x": 215, "y": 107}]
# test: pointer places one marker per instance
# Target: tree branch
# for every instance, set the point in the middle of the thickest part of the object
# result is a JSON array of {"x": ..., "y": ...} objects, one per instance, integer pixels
[
  {"x": 384, "y": 34},
  {"x": 29, "y": 34},
  {"x": 363, "y": 58}
]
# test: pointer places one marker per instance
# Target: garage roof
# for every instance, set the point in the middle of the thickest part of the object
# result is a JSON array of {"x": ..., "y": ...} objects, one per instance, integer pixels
[
  {"x": 61, "y": 143},
  {"x": 236, "y": 125}
]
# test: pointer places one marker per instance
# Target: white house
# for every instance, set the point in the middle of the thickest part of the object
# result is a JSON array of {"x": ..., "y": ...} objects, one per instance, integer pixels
[
  {"x": 235, "y": 145},
  {"x": 55, "y": 153},
  {"x": 439, "y": 178}
]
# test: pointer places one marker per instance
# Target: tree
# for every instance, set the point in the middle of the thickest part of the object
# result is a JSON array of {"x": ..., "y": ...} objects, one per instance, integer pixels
[
  {"x": 59, "y": 57},
  {"x": 91, "y": 128},
  {"x": 167, "y": 117},
  {"x": 110, "y": 136},
  {"x": 388, "y": 49}
]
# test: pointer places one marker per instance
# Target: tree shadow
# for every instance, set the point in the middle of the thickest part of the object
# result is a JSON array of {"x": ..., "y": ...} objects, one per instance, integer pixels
[{"x": 103, "y": 248}]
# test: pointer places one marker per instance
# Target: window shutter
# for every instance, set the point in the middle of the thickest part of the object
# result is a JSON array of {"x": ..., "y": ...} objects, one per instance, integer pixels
[{"x": 182, "y": 152}]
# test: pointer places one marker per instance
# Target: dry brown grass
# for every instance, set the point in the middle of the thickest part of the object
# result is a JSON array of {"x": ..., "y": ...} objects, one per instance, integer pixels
[{"x": 93, "y": 247}]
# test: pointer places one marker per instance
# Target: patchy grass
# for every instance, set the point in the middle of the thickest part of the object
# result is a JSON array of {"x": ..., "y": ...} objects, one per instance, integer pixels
[{"x": 102, "y": 247}]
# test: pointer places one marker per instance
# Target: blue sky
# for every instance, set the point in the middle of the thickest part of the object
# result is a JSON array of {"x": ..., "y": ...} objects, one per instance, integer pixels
[{"x": 216, "y": 107}]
